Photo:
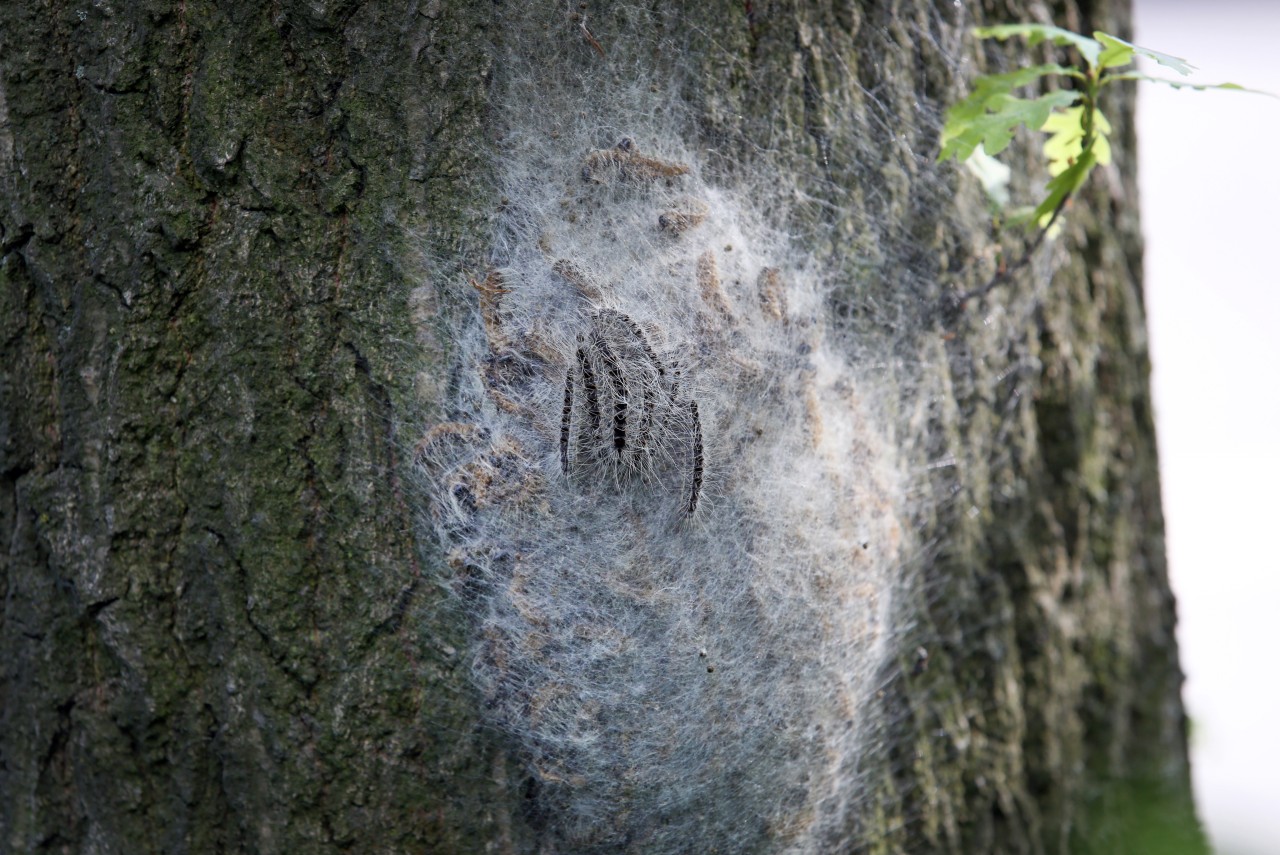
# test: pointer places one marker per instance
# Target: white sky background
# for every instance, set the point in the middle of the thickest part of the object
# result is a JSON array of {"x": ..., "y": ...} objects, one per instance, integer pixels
[{"x": 1210, "y": 177}]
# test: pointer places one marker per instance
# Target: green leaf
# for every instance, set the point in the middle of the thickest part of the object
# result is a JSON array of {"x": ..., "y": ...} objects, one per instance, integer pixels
[
  {"x": 1036, "y": 33},
  {"x": 984, "y": 123},
  {"x": 1182, "y": 84},
  {"x": 1066, "y": 129},
  {"x": 1115, "y": 52},
  {"x": 962, "y": 115},
  {"x": 991, "y": 84},
  {"x": 1112, "y": 43},
  {"x": 984, "y": 88},
  {"x": 1063, "y": 185},
  {"x": 992, "y": 123}
]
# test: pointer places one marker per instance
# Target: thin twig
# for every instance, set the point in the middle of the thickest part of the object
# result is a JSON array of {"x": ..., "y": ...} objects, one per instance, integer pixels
[{"x": 1008, "y": 272}]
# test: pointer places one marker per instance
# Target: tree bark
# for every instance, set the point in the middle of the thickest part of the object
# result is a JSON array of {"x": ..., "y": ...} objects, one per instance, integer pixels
[{"x": 236, "y": 242}]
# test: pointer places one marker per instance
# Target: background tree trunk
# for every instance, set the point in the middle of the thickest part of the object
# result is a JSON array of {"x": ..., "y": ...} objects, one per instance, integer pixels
[{"x": 231, "y": 243}]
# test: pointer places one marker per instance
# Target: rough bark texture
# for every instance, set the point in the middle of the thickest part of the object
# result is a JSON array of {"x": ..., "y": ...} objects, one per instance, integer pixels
[{"x": 220, "y": 632}]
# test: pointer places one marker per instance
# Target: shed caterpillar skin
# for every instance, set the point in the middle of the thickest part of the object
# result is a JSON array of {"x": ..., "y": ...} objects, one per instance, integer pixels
[
  {"x": 677, "y": 221},
  {"x": 772, "y": 293},
  {"x": 576, "y": 277},
  {"x": 624, "y": 161}
]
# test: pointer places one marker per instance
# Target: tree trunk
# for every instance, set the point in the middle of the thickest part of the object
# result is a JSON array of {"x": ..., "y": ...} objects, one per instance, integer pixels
[{"x": 458, "y": 427}]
